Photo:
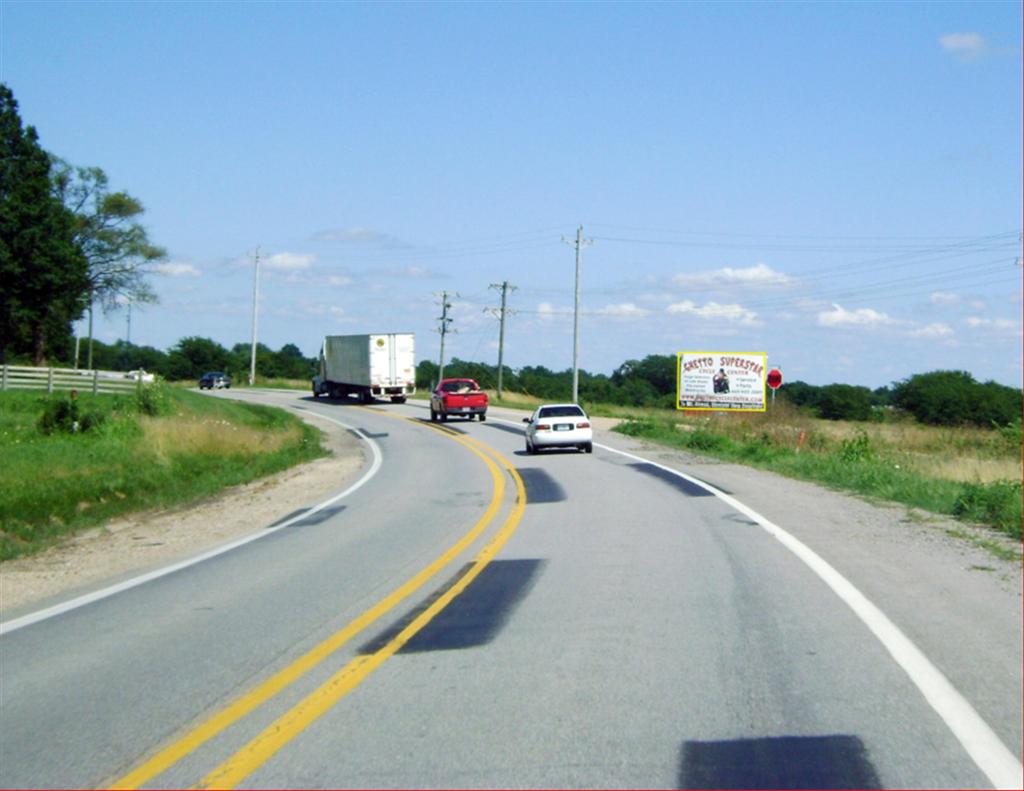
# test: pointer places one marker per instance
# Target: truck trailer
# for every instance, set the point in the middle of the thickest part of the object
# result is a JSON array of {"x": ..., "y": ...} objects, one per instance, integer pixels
[{"x": 368, "y": 366}]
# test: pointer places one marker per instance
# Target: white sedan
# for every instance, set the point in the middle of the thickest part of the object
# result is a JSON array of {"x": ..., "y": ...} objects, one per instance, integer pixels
[{"x": 559, "y": 426}]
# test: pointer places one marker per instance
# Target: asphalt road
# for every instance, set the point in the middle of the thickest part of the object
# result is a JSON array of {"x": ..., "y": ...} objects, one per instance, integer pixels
[{"x": 472, "y": 616}]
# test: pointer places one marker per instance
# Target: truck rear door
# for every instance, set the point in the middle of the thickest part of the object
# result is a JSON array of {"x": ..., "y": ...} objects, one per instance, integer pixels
[
  {"x": 381, "y": 359},
  {"x": 403, "y": 358}
]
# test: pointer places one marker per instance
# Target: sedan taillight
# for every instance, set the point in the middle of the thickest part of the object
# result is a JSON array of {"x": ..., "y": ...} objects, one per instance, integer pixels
[
  {"x": 583, "y": 425},
  {"x": 543, "y": 427}
]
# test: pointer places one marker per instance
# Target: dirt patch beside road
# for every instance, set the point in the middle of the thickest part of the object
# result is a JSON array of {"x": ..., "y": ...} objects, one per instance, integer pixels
[{"x": 150, "y": 539}]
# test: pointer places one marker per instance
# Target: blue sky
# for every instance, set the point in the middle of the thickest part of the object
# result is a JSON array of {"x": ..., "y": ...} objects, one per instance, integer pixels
[{"x": 835, "y": 184}]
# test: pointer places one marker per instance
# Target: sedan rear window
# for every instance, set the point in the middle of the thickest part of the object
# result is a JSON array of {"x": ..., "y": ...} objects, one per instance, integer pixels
[{"x": 561, "y": 411}]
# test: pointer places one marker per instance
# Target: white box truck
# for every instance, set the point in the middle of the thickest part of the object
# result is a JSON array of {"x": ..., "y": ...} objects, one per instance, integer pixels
[{"x": 369, "y": 366}]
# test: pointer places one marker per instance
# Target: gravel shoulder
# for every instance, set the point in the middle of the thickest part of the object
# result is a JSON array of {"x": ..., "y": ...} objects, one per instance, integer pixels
[{"x": 138, "y": 543}]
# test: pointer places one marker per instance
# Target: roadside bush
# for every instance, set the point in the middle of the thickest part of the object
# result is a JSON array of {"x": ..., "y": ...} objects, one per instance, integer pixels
[
  {"x": 844, "y": 402},
  {"x": 856, "y": 449},
  {"x": 642, "y": 427},
  {"x": 993, "y": 503},
  {"x": 153, "y": 400},
  {"x": 705, "y": 440},
  {"x": 1011, "y": 435},
  {"x": 64, "y": 414}
]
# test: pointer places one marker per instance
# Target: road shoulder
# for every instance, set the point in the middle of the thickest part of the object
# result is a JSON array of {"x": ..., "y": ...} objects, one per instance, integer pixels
[
  {"x": 143, "y": 541},
  {"x": 957, "y": 602}
]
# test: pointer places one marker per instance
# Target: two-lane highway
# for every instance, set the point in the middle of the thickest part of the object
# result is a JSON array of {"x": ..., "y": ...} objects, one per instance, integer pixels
[{"x": 473, "y": 616}]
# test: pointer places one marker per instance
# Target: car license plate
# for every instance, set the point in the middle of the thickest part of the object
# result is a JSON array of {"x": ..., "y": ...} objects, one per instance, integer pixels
[
  {"x": 563, "y": 426},
  {"x": 460, "y": 409}
]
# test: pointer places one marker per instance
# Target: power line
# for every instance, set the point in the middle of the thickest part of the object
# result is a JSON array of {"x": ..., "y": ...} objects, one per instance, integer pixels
[
  {"x": 992, "y": 272},
  {"x": 800, "y": 248},
  {"x": 810, "y": 237},
  {"x": 929, "y": 280}
]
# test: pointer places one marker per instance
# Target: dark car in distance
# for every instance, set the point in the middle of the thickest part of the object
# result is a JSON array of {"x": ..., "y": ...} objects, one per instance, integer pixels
[{"x": 212, "y": 380}]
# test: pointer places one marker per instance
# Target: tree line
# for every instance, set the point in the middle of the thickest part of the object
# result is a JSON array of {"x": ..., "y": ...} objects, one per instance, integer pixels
[
  {"x": 936, "y": 398},
  {"x": 67, "y": 244},
  {"x": 191, "y": 357}
]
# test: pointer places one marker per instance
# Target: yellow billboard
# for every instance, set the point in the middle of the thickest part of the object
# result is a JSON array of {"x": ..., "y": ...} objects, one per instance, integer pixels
[{"x": 733, "y": 381}]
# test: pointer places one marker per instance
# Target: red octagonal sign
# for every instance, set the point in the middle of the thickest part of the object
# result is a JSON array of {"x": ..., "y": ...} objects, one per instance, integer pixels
[{"x": 775, "y": 378}]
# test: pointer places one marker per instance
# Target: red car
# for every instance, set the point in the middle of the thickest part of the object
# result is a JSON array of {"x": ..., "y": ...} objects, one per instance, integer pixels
[{"x": 458, "y": 397}]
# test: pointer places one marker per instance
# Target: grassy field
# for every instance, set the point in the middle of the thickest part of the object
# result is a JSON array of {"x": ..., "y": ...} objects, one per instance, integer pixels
[
  {"x": 129, "y": 454},
  {"x": 971, "y": 473}
]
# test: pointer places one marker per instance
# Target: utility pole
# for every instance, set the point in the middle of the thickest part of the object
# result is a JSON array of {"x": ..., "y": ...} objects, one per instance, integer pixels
[
  {"x": 445, "y": 321},
  {"x": 580, "y": 243},
  {"x": 255, "y": 314},
  {"x": 88, "y": 364},
  {"x": 504, "y": 287}
]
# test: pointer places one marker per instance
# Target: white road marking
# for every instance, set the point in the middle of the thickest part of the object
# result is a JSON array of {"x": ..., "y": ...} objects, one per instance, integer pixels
[{"x": 7, "y": 627}]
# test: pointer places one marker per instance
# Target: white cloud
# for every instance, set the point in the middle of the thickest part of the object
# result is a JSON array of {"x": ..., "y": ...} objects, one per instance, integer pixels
[
  {"x": 290, "y": 262},
  {"x": 625, "y": 310},
  {"x": 715, "y": 311},
  {"x": 339, "y": 280},
  {"x": 964, "y": 46},
  {"x": 546, "y": 311},
  {"x": 176, "y": 269},
  {"x": 996, "y": 324},
  {"x": 937, "y": 330},
  {"x": 944, "y": 298},
  {"x": 840, "y": 317},
  {"x": 757, "y": 275}
]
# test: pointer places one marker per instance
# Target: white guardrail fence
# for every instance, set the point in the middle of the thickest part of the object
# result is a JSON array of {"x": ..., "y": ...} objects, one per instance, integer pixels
[{"x": 21, "y": 377}]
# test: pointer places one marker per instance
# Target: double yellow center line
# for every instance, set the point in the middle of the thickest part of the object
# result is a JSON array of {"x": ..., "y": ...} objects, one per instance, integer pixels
[{"x": 260, "y": 749}]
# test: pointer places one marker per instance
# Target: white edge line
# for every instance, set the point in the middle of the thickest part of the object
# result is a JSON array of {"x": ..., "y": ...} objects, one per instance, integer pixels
[
  {"x": 974, "y": 734},
  {"x": 6, "y": 627}
]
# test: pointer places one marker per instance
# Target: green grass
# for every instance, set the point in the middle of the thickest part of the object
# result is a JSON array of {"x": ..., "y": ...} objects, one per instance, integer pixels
[
  {"x": 171, "y": 449},
  {"x": 277, "y": 383},
  {"x": 852, "y": 464}
]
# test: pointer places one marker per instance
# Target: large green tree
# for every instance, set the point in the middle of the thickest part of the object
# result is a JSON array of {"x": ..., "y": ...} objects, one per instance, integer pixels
[
  {"x": 191, "y": 357},
  {"x": 950, "y": 398},
  {"x": 107, "y": 229},
  {"x": 43, "y": 272}
]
